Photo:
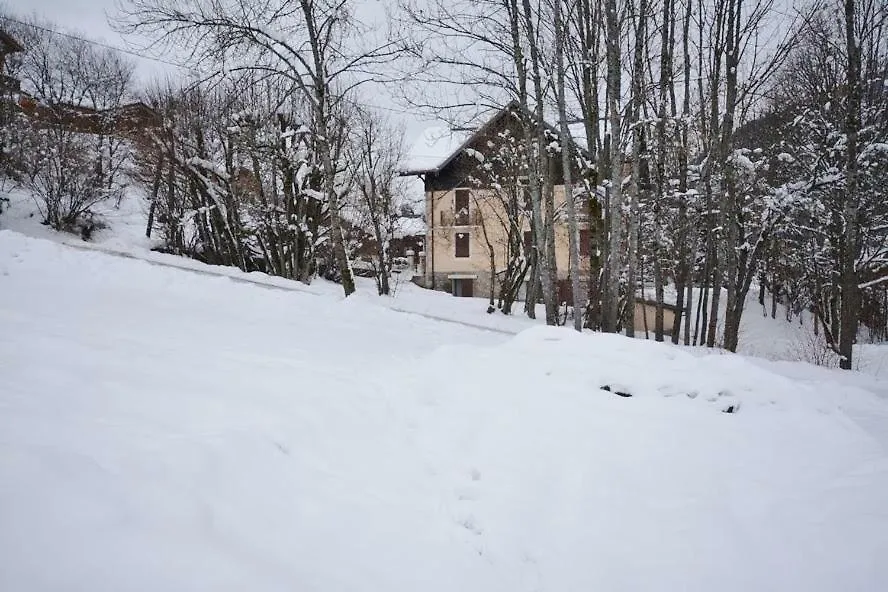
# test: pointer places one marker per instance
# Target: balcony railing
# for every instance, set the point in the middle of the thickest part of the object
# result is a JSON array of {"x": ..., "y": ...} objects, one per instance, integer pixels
[{"x": 463, "y": 218}]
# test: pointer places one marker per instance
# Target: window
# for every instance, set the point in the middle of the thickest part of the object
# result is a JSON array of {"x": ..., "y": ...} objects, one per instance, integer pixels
[
  {"x": 462, "y": 244},
  {"x": 564, "y": 291},
  {"x": 528, "y": 241},
  {"x": 461, "y": 207},
  {"x": 585, "y": 242}
]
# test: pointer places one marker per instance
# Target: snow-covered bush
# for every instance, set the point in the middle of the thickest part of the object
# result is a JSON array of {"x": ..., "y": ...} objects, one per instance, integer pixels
[
  {"x": 813, "y": 348},
  {"x": 233, "y": 178},
  {"x": 63, "y": 147},
  {"x": 63, "y": 180}
]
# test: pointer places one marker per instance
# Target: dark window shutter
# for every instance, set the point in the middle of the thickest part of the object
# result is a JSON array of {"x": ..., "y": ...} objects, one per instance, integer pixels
[
  {"x": 585, "y": 242},
  {"x": 565, "y": 291},
  {"x": 462, "y": 244}
]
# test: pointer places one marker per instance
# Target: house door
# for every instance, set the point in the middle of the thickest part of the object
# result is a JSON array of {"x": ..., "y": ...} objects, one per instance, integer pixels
[{"x": 463, "y": 288}]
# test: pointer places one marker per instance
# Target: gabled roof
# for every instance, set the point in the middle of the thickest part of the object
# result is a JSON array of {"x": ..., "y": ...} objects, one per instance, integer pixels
[
  {"x": 433, "y": 147},
  {"x": 9, "y": 44},
  {"x": 438, "y": 147},
  {"x": 409, "y": 226}
]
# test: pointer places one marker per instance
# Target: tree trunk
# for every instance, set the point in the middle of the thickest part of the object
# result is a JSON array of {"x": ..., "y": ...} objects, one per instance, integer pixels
[
  {"x": 533, "y": 133},
  {"x": 321, "y": 90},
  {"x": 714, "y": 236},
  {"x": 684, "y": 279},
  {"x": 729, "y": 210},
  {"x": 849, "y": 280},
  {"x": 688, "y": 308},
  {"x": 664, "y": 83},
  {"x": 639, "y": 161},
  {"x": 567, "y": 165},
  {"x": 155, "y": 190},
  {"x": 612, "y": 291},
  {"x": 588, "y": 26}
]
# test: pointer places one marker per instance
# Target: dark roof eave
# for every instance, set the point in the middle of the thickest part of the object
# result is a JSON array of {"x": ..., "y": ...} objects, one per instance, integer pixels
[
  {"x": 418, "y": 172},
  {"x": 650, "y": 302}
]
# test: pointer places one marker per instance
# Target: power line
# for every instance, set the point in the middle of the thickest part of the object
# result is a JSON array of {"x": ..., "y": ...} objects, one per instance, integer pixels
[
  {"x": 396, "y": 110},
  {"x": 93, "y": 42}
]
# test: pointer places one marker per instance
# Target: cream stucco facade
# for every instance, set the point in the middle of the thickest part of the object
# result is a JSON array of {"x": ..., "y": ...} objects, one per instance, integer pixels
[
  {"x": 485, "y": 221},
  {"x": 466, "y": 219}
]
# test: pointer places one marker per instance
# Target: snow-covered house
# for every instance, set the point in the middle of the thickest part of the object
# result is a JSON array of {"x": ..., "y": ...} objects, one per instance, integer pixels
[
  {"x": 461, "y": 174},
  {"x": 464, "y": 173},
  {"x": 131, "y": 119},
  {"x": 409, "y": 239}
]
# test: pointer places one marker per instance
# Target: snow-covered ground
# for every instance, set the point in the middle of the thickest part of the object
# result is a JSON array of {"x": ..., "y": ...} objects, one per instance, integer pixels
[
  {"x": 760, "y": 336},
  {"x": 125, "y": 236},
  {"x": 166, "y": 430}
]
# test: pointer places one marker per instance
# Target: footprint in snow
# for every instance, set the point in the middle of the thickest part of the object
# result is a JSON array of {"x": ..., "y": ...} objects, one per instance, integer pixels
[
  {"x": 470, "y": 523},
  {"x": 469, "y": 491}
]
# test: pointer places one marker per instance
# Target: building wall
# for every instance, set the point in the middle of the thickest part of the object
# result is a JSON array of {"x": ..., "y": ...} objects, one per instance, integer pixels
[
  {"x": 485, "y": 213},
  {"x": 649, "y": 310}
]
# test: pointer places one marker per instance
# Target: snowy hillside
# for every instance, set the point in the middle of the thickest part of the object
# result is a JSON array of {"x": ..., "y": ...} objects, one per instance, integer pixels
[
  {"x": 163, "y": 430},
  {"x": 124, "y": 234}
]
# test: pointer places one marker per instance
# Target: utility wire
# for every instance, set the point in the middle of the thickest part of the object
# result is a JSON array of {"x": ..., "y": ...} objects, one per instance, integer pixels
[
  {"x": 400, "y": 111},
  {"x": 93, "y": 42}
]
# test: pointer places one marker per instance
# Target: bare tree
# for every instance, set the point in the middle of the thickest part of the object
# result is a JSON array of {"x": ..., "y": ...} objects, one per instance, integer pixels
[
  {"x": 640, "y": 176},
  {"x": 375, "y": 155},
  {"x": 849, "y": 281},
  {"x": 567, "y": 164},
  {"x": 504, "y": 202},
  {"x": 611, "y": 293},
  {"x": 583, "y": 57},
  {"x": 76, "y": 88},
  {"x": 313, "y": 46}
]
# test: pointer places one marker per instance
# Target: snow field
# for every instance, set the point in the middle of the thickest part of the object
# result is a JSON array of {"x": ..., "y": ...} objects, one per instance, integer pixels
[{"x": 161, "y": 430}]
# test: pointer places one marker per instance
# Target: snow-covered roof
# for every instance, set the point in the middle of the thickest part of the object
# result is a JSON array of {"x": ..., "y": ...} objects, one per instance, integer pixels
[
  {"x": 433, "y": 148},
  {"x": 578, "y": 133},
  {"x": 436, "y": 146},
  {"x": 405, "y": 226}
]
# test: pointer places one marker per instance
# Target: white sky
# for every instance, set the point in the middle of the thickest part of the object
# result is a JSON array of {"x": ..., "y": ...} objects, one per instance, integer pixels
[{"x": 89, "y": 18}]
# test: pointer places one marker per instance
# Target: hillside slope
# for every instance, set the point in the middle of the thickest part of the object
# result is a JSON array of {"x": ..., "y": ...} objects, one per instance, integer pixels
[{"x": 161, "y": 430}]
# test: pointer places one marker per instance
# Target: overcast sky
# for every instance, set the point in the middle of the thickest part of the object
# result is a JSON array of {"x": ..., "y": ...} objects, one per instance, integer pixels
[{"x": 89, "y": 18}]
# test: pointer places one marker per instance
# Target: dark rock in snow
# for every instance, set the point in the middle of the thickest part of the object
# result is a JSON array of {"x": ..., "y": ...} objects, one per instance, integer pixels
[{"x": 608, "y": 388}]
